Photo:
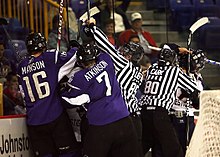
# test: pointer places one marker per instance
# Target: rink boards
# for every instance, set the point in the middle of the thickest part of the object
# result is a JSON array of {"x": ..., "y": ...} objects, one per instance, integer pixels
[{"x": 14, "y": 141}]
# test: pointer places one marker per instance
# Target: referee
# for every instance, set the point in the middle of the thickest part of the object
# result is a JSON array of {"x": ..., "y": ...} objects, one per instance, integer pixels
[
  {"x": 161, "y": 83},
  {"x": 128, "y": 73}
]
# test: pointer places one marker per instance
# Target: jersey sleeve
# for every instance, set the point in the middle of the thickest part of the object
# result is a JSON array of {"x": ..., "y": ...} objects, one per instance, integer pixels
[
  {"x": 75, "y": 93},
  {"x": 187, "y": 83},
  {"x": 66, "y": 61},
  {"x": 102, "y": 41}
]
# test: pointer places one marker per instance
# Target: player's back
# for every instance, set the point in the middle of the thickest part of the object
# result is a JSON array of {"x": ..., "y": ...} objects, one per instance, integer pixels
[
  {"x": 39, "y": 80},
  {"x": 99, "y": 82}
]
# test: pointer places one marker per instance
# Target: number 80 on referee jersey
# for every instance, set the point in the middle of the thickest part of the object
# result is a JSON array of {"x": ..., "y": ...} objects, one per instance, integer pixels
[{"x": 151, "y": 87}]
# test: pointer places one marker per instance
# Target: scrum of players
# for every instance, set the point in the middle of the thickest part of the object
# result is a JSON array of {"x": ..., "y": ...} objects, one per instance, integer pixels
[{"x": 100, "y": 81}]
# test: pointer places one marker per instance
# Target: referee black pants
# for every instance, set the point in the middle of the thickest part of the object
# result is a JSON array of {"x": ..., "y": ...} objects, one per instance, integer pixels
[
  {"x": 159, "y": 131},
  {"x": 138, "y": 128}
]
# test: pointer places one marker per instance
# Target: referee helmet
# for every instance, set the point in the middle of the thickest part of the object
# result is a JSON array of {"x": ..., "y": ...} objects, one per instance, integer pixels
[{"x": 167, "y": 56}]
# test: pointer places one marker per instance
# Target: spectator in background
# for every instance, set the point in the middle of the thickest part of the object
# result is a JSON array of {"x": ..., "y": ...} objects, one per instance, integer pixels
[
  {"x": 13, "y": 100},
  {"x": 5, "y": 65},
  {"x": 109, "y": 31},
  {"x": 145, "y": 37},
  {"x": 73, "y": 23},
  {"x": 52, "y": 38},
  {"x": 134, "y": 38},
  {"x": 121, "y": 20}
]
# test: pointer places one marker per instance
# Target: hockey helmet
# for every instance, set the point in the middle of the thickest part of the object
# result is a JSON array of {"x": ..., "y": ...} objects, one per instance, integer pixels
[
  {"x": 167, "y": 56},
  {"x": 197, "y": 61},
  {"x": 35, "y": 42},
  {"x": 134, "y": 49},
  {"x": 87, "y": 53}
]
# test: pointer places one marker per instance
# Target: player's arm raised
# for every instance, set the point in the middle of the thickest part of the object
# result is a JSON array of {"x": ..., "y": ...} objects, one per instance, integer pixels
[{"x": 102, "y": 42}]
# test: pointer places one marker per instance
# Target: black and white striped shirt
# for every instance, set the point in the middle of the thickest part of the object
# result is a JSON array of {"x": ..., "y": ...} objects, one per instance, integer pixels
[
  {"x": 128, "y": 75},
  {"x": 161, "y": 84}
]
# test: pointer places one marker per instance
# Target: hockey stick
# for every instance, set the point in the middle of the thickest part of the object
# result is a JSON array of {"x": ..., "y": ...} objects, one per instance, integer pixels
[
  {"x": 84, "y": 17},
  {"x": 199, "y": 23},
  {"x": 154, "y": 48},
  {"x": 67, "y": 21},
  {"x": 88, "y": 9},
  {"x": 59, "y": 32},
  {"x": 91, "y": 12},
  {"x": 212, "y": 62}
]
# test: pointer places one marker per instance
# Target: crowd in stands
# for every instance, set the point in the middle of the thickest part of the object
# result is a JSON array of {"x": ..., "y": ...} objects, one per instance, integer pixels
[{"x": 12, "y": 98}]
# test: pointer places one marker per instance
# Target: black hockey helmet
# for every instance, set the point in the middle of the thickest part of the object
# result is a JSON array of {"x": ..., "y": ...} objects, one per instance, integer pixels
[
  {"x": 87, "y": 53},
  {"x": 197, "y": 61},
  {"x": 35, "y": 42},
  {"x": 167, "y": 56},
  {"x": 133, "y": 49}
]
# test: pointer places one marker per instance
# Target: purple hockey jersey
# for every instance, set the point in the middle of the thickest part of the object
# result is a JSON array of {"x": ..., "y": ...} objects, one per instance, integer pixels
[
  {"x": 38, "y": 80},
  {"x": 98, "y": 87}
]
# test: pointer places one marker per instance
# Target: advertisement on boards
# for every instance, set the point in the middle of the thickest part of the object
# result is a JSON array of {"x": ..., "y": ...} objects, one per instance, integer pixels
[{"x": 14, "y": 141}]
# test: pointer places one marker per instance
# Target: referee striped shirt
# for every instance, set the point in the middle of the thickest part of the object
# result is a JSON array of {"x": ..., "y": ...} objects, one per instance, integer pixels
[
  {"x": 128, "y": 75},
  {"x": 161, "y": 84}
]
